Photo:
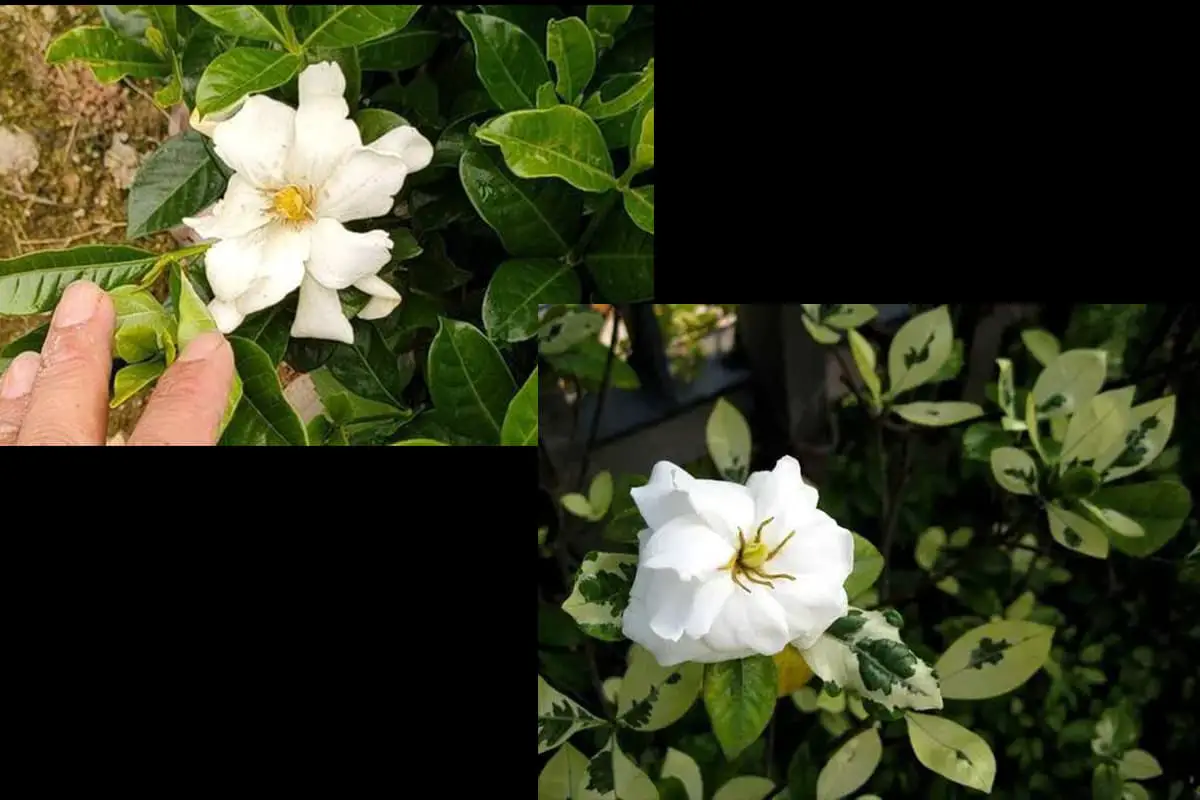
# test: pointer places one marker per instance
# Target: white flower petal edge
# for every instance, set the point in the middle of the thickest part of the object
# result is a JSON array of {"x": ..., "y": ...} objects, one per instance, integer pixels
[
  {"x": 299, "y": 174},
  {"x": 728, "y": 571}
]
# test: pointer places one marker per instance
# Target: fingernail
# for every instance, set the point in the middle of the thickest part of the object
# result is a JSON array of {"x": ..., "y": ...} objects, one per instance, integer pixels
[
  {"x": 18, "y": 381},
  {"x": 78, "y": 304},
  {"x": 202, "y": 346}
]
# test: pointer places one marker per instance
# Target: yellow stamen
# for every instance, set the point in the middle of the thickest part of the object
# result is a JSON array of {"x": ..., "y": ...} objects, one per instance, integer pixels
[
  {"x": 293, "y": 204},
  {"x": 751, "y": 557}
]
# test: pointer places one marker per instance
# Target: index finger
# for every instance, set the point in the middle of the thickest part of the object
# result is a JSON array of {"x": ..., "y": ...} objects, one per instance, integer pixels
[{"x": 189, "y": 401}]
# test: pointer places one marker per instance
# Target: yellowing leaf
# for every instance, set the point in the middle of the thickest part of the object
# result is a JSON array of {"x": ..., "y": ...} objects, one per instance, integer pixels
[
  {"x": 851, "y": 766},
  {"x": 794, "y": 672},
  {"x": 952, "y": 751},
  {"x": 938, "y": 415}
]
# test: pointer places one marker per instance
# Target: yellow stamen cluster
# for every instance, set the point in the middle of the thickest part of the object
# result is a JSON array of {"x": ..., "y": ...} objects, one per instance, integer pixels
[
  {"x": 293, "y": 204},
  {"x": 752, "y": 556}
]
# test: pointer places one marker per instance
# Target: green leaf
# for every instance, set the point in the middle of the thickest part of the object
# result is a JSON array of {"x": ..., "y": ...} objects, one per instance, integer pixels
[
  {"x": 108, "y": 53},
  {"x": 1159, "y": 507},
  {"x": 1041, "y": 344},
  {"x": 432, "y": 272},
  {"x": 1138, "y": 765},
  {"x": 347, "y": 26},
  {"x": 1069, "y": 382},
  {"x": 981, "y": 438},
  {"x": 1106, "y": 783},
  {"x": 862, "y": 651},
  {"x": 406, "y": 49},
  {"x": 937, "y": 415},
  {"x": 952, "y": 751},
  {"x": 652, "y": 697},
  {"x": 740, "y": 698},
  {"x": 546, "y": 98},
  {"x": 621, "y": 261},
  {"x": 993, "y": 659},
  {"x": 368, "y": 368},
  {"x": 639, "y": 205},
  {"x": 194, "y": 320},
  {"x": 745, "y": 787},
  {"x": 133, "y": 378},
  {"x": 419, "y": 443},
  {"x": 728, "y": 438},
  {"x": 250, "y": 22},
  {"x": 611, "y": 775},
  {"x": 559, "y": 334},
  {"x": 606, "y": 19},
  {"x": 1006, "y": 395},
  {"x": 1147, "y": 433},
  {"x": 920, "y": 348},
  {"x": 1097, "y": 427},
  {"x": 270, "y": 329},
  {"x": 560, "y": 142},
  {"x": 578, "y": 505},
  {"x": 178, "y": 180},
  {"x": 572, "y": 50},
  {"x": 682, "y": 767},
  {"x": 560, "y": 778},
  {"x": 29, "y": 342},
  {"x": 851, "y": 766},
  {"x": 34, "y": 283},
  {"x": 1076, "y": 532},
  {"x": 864, "y": 359},
  {"x": 519, "y": 287},
  {"x": 264, "y": 416},
  {"x": 1116, "y": 732},
  {"x": 468, "y": 381},
  {"x": 508, "y": 61},
  {"x": 868, "y": 566},
  {"x": 559, "y": 717},
  {"x": 843, "y": 316},
  {"x": 242, "y": 71},
  {"x": 599, "y": 108},
  {"x": 520, "y": 426},
  {"x": 625, "y": 521},
  {"x": 641, "y": 141},
  {"x": 600, "y": 493},
  {"x": 144, "y": 329},
  {"x": 586, "y": 362},
  {"x": 930, "y": 544},
  {"x": 1022, "y": 607},
  {"x": 820, "y": 333},
  {"x": 601, "y": 594},
  {"x": 1015, "y": 470}
]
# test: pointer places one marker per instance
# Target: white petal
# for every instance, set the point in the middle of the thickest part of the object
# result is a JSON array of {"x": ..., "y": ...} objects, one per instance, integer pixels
[
  {"x": 636, "y": 622},
  {"x": 340, "y": 257},
  {"x": 256, "y": 141},
  {"x": 362, "y": 186},
  {"x": 670, "y": 604},
  {"x": 407, "y": 142},
  {"x": 707, "y": 604},
  {"x": 726, "y": 507},
  {"x": 820, "y": 547},
  {"x": 662, "y": 498},
  {"x": 225, "y": 315},
  {"x": 781, "y": 488},
  {"x": 384, "y": 298},
  {"x": 810, "y": 606},
  {"x": 749, "y": 622},
  {"x": 319, "y": 314},
  {"x": 242, "y": 209},
  {"x": 687, "y": 546},
  {"x": 231, "y": 265},
  {"x": 324, "y": 137},
  {"x": 284, "y": 250}
]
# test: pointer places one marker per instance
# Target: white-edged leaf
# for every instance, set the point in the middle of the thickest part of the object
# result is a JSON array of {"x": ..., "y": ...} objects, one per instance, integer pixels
[
  {"x": 864, "y": 359},
  {"x": 1031, "y": 425},
  {"x": 560, "y": 778},
  {"x": 1075, "y": 532},
  {"x": 1015, "y": 470},
  {"x": 919, "y": 349},
  {"x": 1138, "y": 765},
  {"x": 611, "y": 775},
  {"x": 600, "y": 493},
  {"x": 682, "y": 767},
  {"x": 651, "y": 696},
  {"x": 952, "y": 751},
  {"x": 851, "y": 766},
  {"x": 868, "y": 566},
  {"x": 559, "y": 717},
  {"x": 745, "y": 787},
  {"x": 847, "y": 316},
  {"x": 1097, "y": 427},
  {"x": 1068, "y": 382},
  {"x": 993, "y": 659},
  {"x": 1114, "y": 520},
  {"x": 601, "y": 593},
  {"x": 1041, "y": 344},
  {"x": 936, "y": 415},
  {"x": 728, "y": 437},
  {"x": 1146, "y": 435}
]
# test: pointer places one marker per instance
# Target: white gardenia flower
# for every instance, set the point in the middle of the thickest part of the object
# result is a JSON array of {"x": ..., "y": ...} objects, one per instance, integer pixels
[
  {"x": 727, "y": 571},
  {"x": 299, "y": 173}
]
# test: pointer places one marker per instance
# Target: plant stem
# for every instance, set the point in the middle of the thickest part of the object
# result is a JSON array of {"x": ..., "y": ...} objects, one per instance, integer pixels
[
  {"x": 575, "y": 257},
  {"x": 289, "y": 33}
]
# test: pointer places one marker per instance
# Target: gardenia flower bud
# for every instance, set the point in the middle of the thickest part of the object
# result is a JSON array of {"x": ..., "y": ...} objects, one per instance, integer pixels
[
  {"x": 298, "y": 175},
  {"x": 727, "y": 571}
]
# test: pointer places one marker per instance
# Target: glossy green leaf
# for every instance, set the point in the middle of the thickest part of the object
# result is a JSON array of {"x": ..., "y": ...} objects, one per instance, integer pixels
[
  {"x": 1159, "y": 507},
  {"x": 531, "y": 18},
  {"x": 179, "y": 179},
  {"x": 34, "y": 283},
  {"x": 508, "y": 61},
  {"x": 1097, "y": 427},
  {"x": 621, "y": 261},
  {"x": 625, "y": 521},
  {"x": 143, "y": 329},
  {"x": 740, "y": 698},
  {"x": 745, "y": 787},
  {"x": 918, "y": 350},
  {"x": 469, "y": 381},
  {"x": 406, "y": 49},
  {"x": 864, "y": 359},
  {"x": 520, "y": 426},
  {"x": 1076, "y": 532},
  {"x": 249, "y": 22},
  {"x": 534, "y": 218},
  {"x": 1147, "y": 432},
  {"x": 29, "y": 342},
  {"x": 263, "y": 417},
  {"x": 587, "y": 360},
  {"x": 242, "y": 71},
  {"x": 851, "y": 766},
  {"x": 194, "y": 320},
  {"x": 572, "y": 50},
  {"x": 993, "y": 659},
  {"x": 560, "y": 778},
  {"x": 108, "y": 53},
  {"x": 560, "y": 142},
  {"x": 546, "y": 98},
  {"x": 375, "y": 122},
  {"x": 611, "y": 775},
  {"x": 368, "y": 368},
  {"x": 134, "y": 378},
  {"x": 601, "y": 594},
  {"x": 599, "y": 106},
  {"x": 936, "y": 415},
  {"x": 727, "y": 436},
  {"x": 347, "y": 26},
  {"x": 1138, "y": 765},
  {"x": 639, "y": 204},
  {"x": 651, "y": 697},
  {"x": 270, "y": 329},
  {"x": 1069, "y": 382},
  {"x": 868, "y": 566},
  {"x": 952, "y": 751},
  {"x": 641, "y": 138},
  {"x": 1041, "y": 344},
  {"x": 1015, "y": 470},
  {"x": 559, "y": 717},
  {"x": 607, "y": 19}
]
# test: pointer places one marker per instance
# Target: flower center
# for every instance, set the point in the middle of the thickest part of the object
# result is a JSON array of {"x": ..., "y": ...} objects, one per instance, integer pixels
[
  {"x": 752, "y": 556},
  {"x": 293, "y": 204}
]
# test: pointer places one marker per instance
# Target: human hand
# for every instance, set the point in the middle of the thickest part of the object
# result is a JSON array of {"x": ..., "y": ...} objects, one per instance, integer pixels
[{"x": 60, "y": 396}]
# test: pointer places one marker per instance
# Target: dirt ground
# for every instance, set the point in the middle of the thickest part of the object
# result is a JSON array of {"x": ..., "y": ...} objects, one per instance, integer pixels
[{"x": 68, "y": 149}]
